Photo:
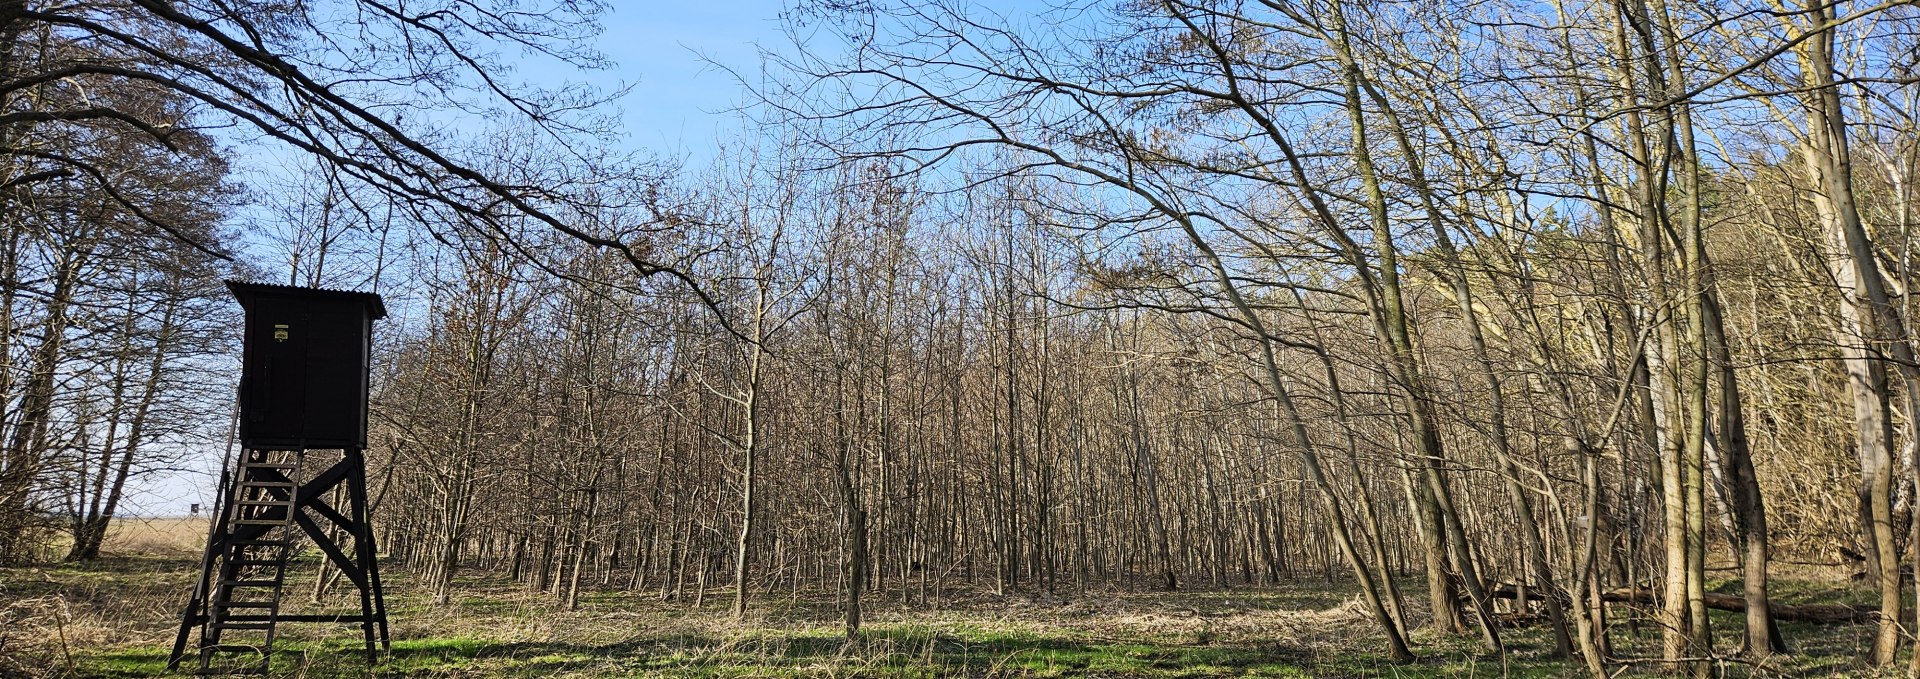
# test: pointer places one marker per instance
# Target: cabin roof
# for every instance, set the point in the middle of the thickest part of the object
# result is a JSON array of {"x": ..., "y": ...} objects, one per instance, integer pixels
[{"x": 245, "y": 292}]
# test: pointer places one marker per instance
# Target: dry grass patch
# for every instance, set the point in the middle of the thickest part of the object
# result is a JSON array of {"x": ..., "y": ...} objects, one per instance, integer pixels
[{"x": 117, "y": 618}]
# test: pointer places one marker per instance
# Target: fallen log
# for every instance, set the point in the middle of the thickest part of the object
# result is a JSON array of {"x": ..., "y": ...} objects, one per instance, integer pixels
[{"x": 1785, "y": 612}]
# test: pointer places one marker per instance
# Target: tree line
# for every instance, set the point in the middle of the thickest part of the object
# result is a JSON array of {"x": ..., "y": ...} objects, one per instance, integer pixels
[{"x": 1480, "y": 309}]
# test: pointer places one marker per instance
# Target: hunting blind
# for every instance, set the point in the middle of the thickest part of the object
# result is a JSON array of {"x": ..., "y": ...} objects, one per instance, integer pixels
[
  {"x": 303, "y": 378},
  {"x": 303, "y": 387}
]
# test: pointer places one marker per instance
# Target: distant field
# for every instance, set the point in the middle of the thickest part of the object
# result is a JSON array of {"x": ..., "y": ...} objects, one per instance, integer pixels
[
  {"x": 172, "y": 537},
  {"x": 156, "y": 536}
]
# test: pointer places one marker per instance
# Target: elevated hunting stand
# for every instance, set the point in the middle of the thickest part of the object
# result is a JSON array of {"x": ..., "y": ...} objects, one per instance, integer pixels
[{"x": 303, "y": 388}]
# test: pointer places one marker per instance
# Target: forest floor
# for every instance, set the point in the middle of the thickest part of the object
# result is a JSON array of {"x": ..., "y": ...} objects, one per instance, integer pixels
[{"x": 116, "y": 618}]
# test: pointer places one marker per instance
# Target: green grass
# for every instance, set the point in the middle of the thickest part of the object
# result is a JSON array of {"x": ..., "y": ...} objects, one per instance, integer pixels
[{"x": 116, "y": 619}]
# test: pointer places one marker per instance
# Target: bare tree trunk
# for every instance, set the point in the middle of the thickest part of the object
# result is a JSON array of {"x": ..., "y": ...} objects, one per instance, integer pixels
[
  {"x": 749, "y": 450},
  {"x": 1871, "y": 329},
  {"x": 1394, "y": 330},
  {"x": 1750, "y": 512}
]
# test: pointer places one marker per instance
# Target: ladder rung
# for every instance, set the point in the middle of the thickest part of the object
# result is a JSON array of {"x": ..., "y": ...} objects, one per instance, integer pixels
[
  {"x": 259, "y": 551},
  {"x": 271, "y": 465},
  {"x": 246, "y": 604},
  {"x": 267, "y": 484},
  {"x": 256, "y": 543},
  {"x": 250, "y": 583},
  {"x": 244, "y": 625},
  {"x": 256, "y": 611},
  {"x": 235, "y": 550},
  {"x": 272, "y": 502},
  {"x": 254, "y": 562},
  {"x": 261, "y": 522}
]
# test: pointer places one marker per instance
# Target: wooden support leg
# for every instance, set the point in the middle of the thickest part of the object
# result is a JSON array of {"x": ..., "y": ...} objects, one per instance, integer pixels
[{"x": 363, "y": 550}]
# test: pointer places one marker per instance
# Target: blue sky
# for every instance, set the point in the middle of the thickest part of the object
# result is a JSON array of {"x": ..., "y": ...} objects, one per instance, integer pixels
[{"x": 662, "y": 50}]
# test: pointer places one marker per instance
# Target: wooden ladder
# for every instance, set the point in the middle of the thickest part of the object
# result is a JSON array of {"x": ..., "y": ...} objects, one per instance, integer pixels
[{"x": 253, "y": 569}]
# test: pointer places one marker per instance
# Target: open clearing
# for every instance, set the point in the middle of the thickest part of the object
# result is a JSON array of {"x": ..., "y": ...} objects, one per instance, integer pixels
[{"x": 116, "y": 618}]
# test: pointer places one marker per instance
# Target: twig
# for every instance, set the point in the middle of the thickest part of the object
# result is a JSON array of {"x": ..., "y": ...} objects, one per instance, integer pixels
[{"x": 60, "y": 624}]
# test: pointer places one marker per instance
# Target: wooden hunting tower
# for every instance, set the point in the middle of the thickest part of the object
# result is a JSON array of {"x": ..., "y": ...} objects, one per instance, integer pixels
[
  {"x": 303, "y": 375},
  {"x": 303, "y": 387}
]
